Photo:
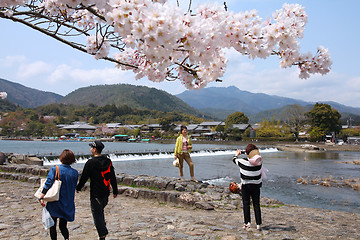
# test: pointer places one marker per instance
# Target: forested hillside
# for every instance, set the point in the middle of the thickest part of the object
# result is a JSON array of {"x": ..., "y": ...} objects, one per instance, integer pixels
[
  {"x": 5, "y": 106},
  {"x": 25, "y": 96},
  {"x": 137, "y": 97}
]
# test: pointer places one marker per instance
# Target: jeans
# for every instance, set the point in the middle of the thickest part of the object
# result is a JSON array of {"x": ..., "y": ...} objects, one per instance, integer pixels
[
  {"x": 97, "y": 209},
  {"x": 252, "y": 191}
]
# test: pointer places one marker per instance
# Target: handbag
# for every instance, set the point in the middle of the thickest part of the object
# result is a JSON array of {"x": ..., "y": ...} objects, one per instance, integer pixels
[
  {"x": 234, "y": 187},
  {"x": 53, "y": 193},
  {"x": 176, "y": 162}
]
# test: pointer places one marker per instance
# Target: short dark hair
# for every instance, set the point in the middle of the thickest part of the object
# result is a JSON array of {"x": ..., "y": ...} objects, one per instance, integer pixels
[
  {"x": 98, "y": 150},
  {"x": 250, "y": 147},
  {"x": 67, "y": 157},
  {"x": 182, "y": 128}
]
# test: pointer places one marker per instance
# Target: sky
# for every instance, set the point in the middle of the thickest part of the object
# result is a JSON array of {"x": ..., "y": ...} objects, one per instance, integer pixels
[{"x": 37, "y": 61}]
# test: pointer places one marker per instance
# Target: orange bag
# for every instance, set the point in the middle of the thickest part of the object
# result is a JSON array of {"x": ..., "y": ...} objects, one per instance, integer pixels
[{"x": 234, "y": 187}]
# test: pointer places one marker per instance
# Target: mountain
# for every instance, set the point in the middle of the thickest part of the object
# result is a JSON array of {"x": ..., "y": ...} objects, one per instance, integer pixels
[
  {"x": 231, "y": 98},
  {"x": 25, "y": 96},
  {"x": 278, "y": 113},
  {"x": 221, "y": 102},
  {"x": 138, "y": 97}
]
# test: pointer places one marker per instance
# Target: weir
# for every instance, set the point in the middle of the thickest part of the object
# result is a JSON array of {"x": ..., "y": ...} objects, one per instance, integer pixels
[{"x": 142, "y": 153}]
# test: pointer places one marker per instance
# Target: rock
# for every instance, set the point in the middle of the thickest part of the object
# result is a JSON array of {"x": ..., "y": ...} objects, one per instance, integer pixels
[
  {"x": 132, "y": 193},
  {"x": 187, "y": 198},
  {"x": 147, "y": 194},
  {"x": 34, "y": 161},
  {"x": 179, "y": 187},
  {"x": 128, "y": 180},
  {"x": 204, "y": 206},
  {"x": 163, "y": 197},
  {"x": 160, "y": 183}
]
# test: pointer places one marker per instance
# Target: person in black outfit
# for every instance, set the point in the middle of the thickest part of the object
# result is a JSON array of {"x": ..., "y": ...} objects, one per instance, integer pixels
[{"x": 102, "y": 178}]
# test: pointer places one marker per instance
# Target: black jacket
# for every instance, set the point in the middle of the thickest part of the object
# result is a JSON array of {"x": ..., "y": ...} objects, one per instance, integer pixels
[{"x": 101, "y": 173}]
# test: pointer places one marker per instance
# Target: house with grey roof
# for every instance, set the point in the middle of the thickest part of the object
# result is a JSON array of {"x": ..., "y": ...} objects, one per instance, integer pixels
[
  {"x": 113, "y": 125},
  {"x": 79, "y": 126},
  {"x": 242, "y": 126}
]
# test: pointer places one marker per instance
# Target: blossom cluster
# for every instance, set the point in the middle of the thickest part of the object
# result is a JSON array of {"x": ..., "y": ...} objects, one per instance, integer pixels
[
  {"x": 3, "y": 95},
  {"x": 161, "y": 42},
  {"x": 98, "y": 46}
]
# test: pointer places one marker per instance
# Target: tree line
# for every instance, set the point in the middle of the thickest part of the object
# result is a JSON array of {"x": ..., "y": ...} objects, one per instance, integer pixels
[
  {"x": 321, "y": 120},
  {"x": 42, "y": 121}
]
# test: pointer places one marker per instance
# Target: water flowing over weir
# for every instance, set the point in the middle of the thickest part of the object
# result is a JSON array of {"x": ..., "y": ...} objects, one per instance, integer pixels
[{"x": 151, "y": 155}]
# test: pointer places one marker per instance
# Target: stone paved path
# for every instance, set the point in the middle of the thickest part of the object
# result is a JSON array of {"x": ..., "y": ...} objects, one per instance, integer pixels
[{"x": 128, "y": 218}]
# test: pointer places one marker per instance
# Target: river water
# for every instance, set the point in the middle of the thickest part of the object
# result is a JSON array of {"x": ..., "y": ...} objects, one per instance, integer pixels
[{"x": 213, "y": 163}]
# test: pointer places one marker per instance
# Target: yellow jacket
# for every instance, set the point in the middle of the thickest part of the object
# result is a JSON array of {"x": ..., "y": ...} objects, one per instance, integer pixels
[{"x": 179, "y": 144}]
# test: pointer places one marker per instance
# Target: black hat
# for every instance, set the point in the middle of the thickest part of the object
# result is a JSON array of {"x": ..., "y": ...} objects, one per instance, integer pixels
[{"x": 97, "y": 144}]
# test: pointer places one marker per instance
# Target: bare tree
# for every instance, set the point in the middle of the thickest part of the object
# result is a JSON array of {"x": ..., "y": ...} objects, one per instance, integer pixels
[{"x": 295, "y": 119}]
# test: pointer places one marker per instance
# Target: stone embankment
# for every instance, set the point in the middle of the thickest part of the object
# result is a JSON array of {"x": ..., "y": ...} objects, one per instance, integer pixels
[
  {"x": 163, "y": 189},
  {"x": 164, "y": 208}
]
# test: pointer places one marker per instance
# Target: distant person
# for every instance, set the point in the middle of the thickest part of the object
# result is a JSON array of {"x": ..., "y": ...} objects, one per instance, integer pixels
[
  {"x": 183, "y": 148},
  {"x": 2, "y": 158},
  {"x": 251, "y": 181},
  {"x": 64, "y": 209},
  {"x": 102, "y": 178}
]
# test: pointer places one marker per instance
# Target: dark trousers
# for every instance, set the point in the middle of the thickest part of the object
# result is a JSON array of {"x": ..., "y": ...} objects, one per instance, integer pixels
[
  {"x": 97, "y": 209},
  {"x": 63, "y": 229},
  {"x": 251, "y": 191}
]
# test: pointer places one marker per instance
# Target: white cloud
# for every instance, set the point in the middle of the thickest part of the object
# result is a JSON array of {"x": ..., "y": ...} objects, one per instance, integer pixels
[
  {"x": 59, "y": 74},
  {"x": 10, "y": 61},
  {"x": 31, "y": 70}
]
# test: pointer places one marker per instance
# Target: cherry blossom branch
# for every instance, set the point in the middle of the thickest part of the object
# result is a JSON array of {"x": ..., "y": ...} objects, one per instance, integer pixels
[{"x": 155, "y": 39}]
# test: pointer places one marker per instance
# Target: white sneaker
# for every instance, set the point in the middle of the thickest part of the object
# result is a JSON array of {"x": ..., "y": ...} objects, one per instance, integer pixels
[
  {"x": 247, "y": 225},
  {"x": 258, "y": 227}
]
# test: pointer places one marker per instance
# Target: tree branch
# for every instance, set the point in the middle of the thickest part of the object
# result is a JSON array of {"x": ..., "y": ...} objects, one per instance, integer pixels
[{"x": 53, "y": 35}]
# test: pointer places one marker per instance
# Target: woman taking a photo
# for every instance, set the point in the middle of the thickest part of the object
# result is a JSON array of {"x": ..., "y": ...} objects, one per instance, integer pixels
[
  {"x": 64, "y": 209},
  {"x": 183, "y": 148},
  {"x": 251, "y": 182}
]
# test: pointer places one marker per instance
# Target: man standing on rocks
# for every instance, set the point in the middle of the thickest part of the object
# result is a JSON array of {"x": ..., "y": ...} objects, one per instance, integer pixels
[{"x": 102, "y": 178}]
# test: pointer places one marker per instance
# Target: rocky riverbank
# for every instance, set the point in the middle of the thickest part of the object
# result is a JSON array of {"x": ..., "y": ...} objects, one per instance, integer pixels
[
  {"x": 142, "y": 216},
  {"x": 316, "y": 147}
]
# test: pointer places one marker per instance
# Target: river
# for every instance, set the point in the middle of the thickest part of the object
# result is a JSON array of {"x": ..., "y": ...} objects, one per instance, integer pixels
[{"x": 213, "y": 163}]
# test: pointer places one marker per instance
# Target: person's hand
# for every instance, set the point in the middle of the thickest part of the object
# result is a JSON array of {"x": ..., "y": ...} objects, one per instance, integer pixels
[
  {"x": 238, "y": 152},
  {"x": 42, "y": 202},
  {"x": 190, "y": 147}
]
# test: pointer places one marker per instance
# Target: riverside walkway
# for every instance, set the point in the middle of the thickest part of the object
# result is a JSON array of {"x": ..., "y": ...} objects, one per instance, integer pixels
[{"x": 130, "y": 218}]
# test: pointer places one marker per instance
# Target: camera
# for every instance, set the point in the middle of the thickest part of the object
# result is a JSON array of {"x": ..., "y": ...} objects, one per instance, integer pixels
[{"x": 243, "y": 152}]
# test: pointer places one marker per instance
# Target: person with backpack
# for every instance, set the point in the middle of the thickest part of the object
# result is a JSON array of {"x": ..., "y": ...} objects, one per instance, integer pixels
[{"x": 100, "y": 171}]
